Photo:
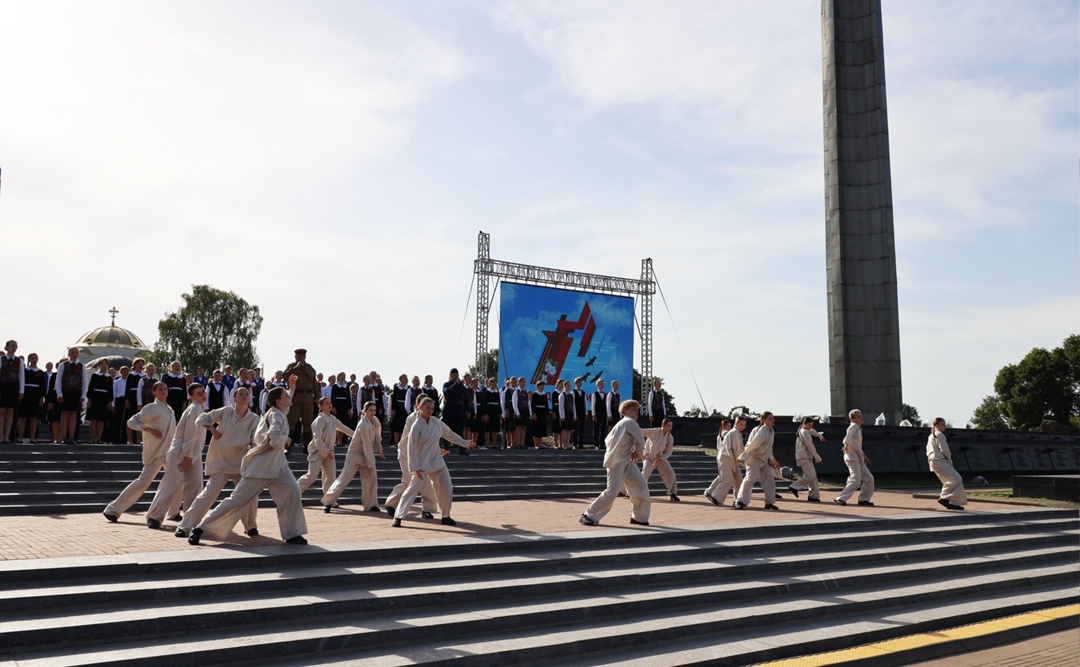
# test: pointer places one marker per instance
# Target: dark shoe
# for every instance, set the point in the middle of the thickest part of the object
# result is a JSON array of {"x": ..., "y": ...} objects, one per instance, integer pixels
[
  {"x": 675, "y": 498},
  {"x": 180, "y": 532},
  {"x": 794, "y": 491},
  {"x": 447, "y": 521},
  {"x": 374, "y": 509},
  {"x": 391, "y": 511},
  {"x": 153, "y": 523},
  {"x": 948, "y": 505},
  {"x": 424, "y": 515},
  {"x": 196, "y": 533},
  {"x": 586, "y": 520},
  {"x": 397, "y": 523},
  {"x": 326, "y": 508},
  {"x": 299, "y": 539},
  {"x": 111, "y": 518},
  {"x": 839, "y": 502},
  {"x": 813, "y": 500},
  {"x": 955, "y": 507},
  {"x": 770, "y": 506},
  {"x": 777, "y": 497},
  {"x": 253, "y": 532},
  {"x": 865, "y": 503},
  {"x": 176, "y": 517},
  {"x": 463, "y": 452},
  {"x": 712, "y": 500},
  {"x": 638, "y": 523}
]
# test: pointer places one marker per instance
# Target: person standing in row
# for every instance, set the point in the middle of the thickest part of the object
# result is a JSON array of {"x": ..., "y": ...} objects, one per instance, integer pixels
[
  {"x": 454, "y": 395},
  {"x": 146, "y": 386},
  {"x": 491, "y": 412},
  {"x": 729, "y": 447},
  {"x": 12, "y": 388},
  {"x": 71, "y": 383},
  {"x": 426, "y": 462},
  {"x": 538, "y": 414},
  {"x": 625, "y": 446},
  {"x": 805, "y": 457},
  {"x": 522, "y": 416},
  {"x": 157, "y": 424},
  {"x": 399, "y": 411},
  {"x": 131, "y": 396},
  {"x": 657, "y": 408},
  {"x": 99, "y": 399},
  {"x": 175, "y": 380},
  {"x": 857, "y": 462},
  {"x": 509, "y": 413},
  {"x": 304, "y": 398},
  {"x": 659, "y": 444},
  {"x": 231, "y": 430},
  {"x": 614, "y": 400},
  {"x": 320, "y": 457},
  {"x": 264, "y": 466},
  {"x": 117, "y": 427},
  {"x": 366, "y": 443},
  {"x": 599, "y": 414},
  {"x": 34, "y": 382},
  {"x": 938, "y": 455},
  {"x": 758, "y": 457},
  {"x": 580, "y": 403}
]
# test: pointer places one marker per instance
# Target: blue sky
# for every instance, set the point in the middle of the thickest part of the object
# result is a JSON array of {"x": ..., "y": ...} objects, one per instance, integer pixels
[{"x": 333, "y": 162}]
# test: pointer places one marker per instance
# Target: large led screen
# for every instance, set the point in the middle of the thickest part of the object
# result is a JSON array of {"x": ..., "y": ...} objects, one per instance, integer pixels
[{"x": 549, "y": 334}]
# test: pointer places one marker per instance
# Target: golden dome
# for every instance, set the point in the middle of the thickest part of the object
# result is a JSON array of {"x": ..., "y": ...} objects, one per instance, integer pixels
[{"x": 112, "y": 336}]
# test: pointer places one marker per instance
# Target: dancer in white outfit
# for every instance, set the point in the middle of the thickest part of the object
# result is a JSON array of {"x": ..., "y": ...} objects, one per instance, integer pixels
[
  {"x": 729, "y": 446},
  {"x": 320, "y": 459},
  {"x": 758, "y": 456},
  {"x": 264, "y": 466},
  {"x": 427, "y": 491},
  {"x": 659, "y": 444},
  {"x": 426, "y": 462},
  {"x": 805, "y": 457},
  {"x": 366, "y": 443},
  {"x": 859, "y": 476},
  {"x": 183, "y": 477},
  {"x": 156, "y": 422},
  {"x": 232, "y": 429},
  {"x": 625, "y": 445},
  {"x": 953, "y": 496}
]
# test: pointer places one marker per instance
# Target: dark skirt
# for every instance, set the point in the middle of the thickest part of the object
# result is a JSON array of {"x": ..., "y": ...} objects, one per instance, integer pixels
[{"x": 540, "y": 425}]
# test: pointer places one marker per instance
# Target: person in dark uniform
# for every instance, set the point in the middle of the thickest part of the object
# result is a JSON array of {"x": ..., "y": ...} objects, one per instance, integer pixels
[
  {"x": 655, "y": 406},
  {"x": 200, "y": 377},
  {"x": 304, "y": 400},
  {"x": 177, "y": 384},
  {"x": 257, "y": 389},
  {"x": 12, "y": 381},
  {"x": 228, "y": 378},
  {"x": 599, "y": 414},
  {"x": 399, "y": 395},
  {"x": 614, "y": 400},
  {"x": 581, "y": 401},
  {"x": 131, "y": 397},
  {"x": 432, "y": 393},
  {"x": 52, "y": 404},
  {"x": 470, "y": 406},
  {"x": 506, "y": 398},
  {"x": 341, "y": 406},
  {"x": 521, "y": 414},
  {"x": 538, "y": 407},
  {"x": 71, "y": 384},
  {"x": 33, "y": 398},
  {"x": 491, "y": 412},
  {"x": 455, "y": 393},
  {"x": 99, "y": 401}
]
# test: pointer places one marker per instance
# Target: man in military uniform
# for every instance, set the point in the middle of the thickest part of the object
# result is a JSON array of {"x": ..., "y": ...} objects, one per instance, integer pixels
[
  {"x": 454, "y": 395},
  {"x": 304, "y": 400}
]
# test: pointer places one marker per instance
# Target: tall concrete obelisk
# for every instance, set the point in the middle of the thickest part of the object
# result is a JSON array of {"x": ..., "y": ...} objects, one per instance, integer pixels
[{"x": 864, "y": 325}]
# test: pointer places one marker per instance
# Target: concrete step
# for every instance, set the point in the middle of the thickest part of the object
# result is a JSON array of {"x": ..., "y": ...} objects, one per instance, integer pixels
[{"x": 280, "y": 604}]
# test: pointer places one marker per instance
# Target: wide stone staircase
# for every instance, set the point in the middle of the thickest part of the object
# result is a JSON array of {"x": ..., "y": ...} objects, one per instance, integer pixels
[
  {"x": 712, "y": 595},
  {"x": 62, "y": 479}
]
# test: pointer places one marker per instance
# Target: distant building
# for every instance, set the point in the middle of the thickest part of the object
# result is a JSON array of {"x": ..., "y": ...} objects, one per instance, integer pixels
[{"x": 114, "y": 343}]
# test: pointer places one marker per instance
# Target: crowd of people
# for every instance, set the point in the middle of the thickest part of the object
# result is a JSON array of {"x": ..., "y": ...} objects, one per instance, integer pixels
[{"x": 248, "y": 425}]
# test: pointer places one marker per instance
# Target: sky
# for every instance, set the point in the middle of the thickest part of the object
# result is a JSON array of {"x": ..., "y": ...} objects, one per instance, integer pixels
[{"x": 333, "y": 163}]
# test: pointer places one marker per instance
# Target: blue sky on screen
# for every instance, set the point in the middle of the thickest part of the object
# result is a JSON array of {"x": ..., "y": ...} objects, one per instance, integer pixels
[{"x": 332, "y": 162}]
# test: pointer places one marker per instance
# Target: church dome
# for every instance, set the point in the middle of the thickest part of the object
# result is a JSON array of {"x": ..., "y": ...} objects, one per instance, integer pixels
[{"x": 111, "y": 336}]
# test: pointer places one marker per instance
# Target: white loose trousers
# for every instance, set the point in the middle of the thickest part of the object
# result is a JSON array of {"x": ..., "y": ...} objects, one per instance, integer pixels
[
  {"x": 214, "y": 486},
  {"x": 626, "y": 476}
]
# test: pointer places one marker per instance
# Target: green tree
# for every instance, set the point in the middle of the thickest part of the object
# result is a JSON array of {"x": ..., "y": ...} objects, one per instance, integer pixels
[
  {"x": 212, "y": 329},
  {"x": 669, "y": 400},
  {"x": 486, "y": 366},
  {"x": 909, "y": 413},
  {"x": 989, "y": 417}
]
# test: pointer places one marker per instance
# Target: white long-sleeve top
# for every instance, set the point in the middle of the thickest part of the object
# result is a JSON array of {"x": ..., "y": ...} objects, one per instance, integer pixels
[
  {"x": 60, "y": 368},
  {"x": 21, "y": 368},
  {"x": 119, "y": 386},
  {"x": 226, "y": 396},
  {"x": 225, "y": 453},
  {"x": 158, "y": 415},
  {"x": 624, "y": 440},
  {"x": 805, "y": 452},
  {"x": 142, "y": 383},
  {"x": 266, "y": 459},
  {"x": 937, "y": 447},
  {"x": 323, "y": 430},
  {"x": 647, "y": 408},
  {"x": 424, "y": 451},
  {"x": 658, "y": 445},
  {"x": 759, "y": 445},
  {"x": 367, "y": 441},
  {"x": 188, "y": 438},
  {"x": 729, "y": 446},
  {"x": 853, "y": 443},
  {"x": 403, "y": 444},
  {"x": 525, "y": 403}
]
